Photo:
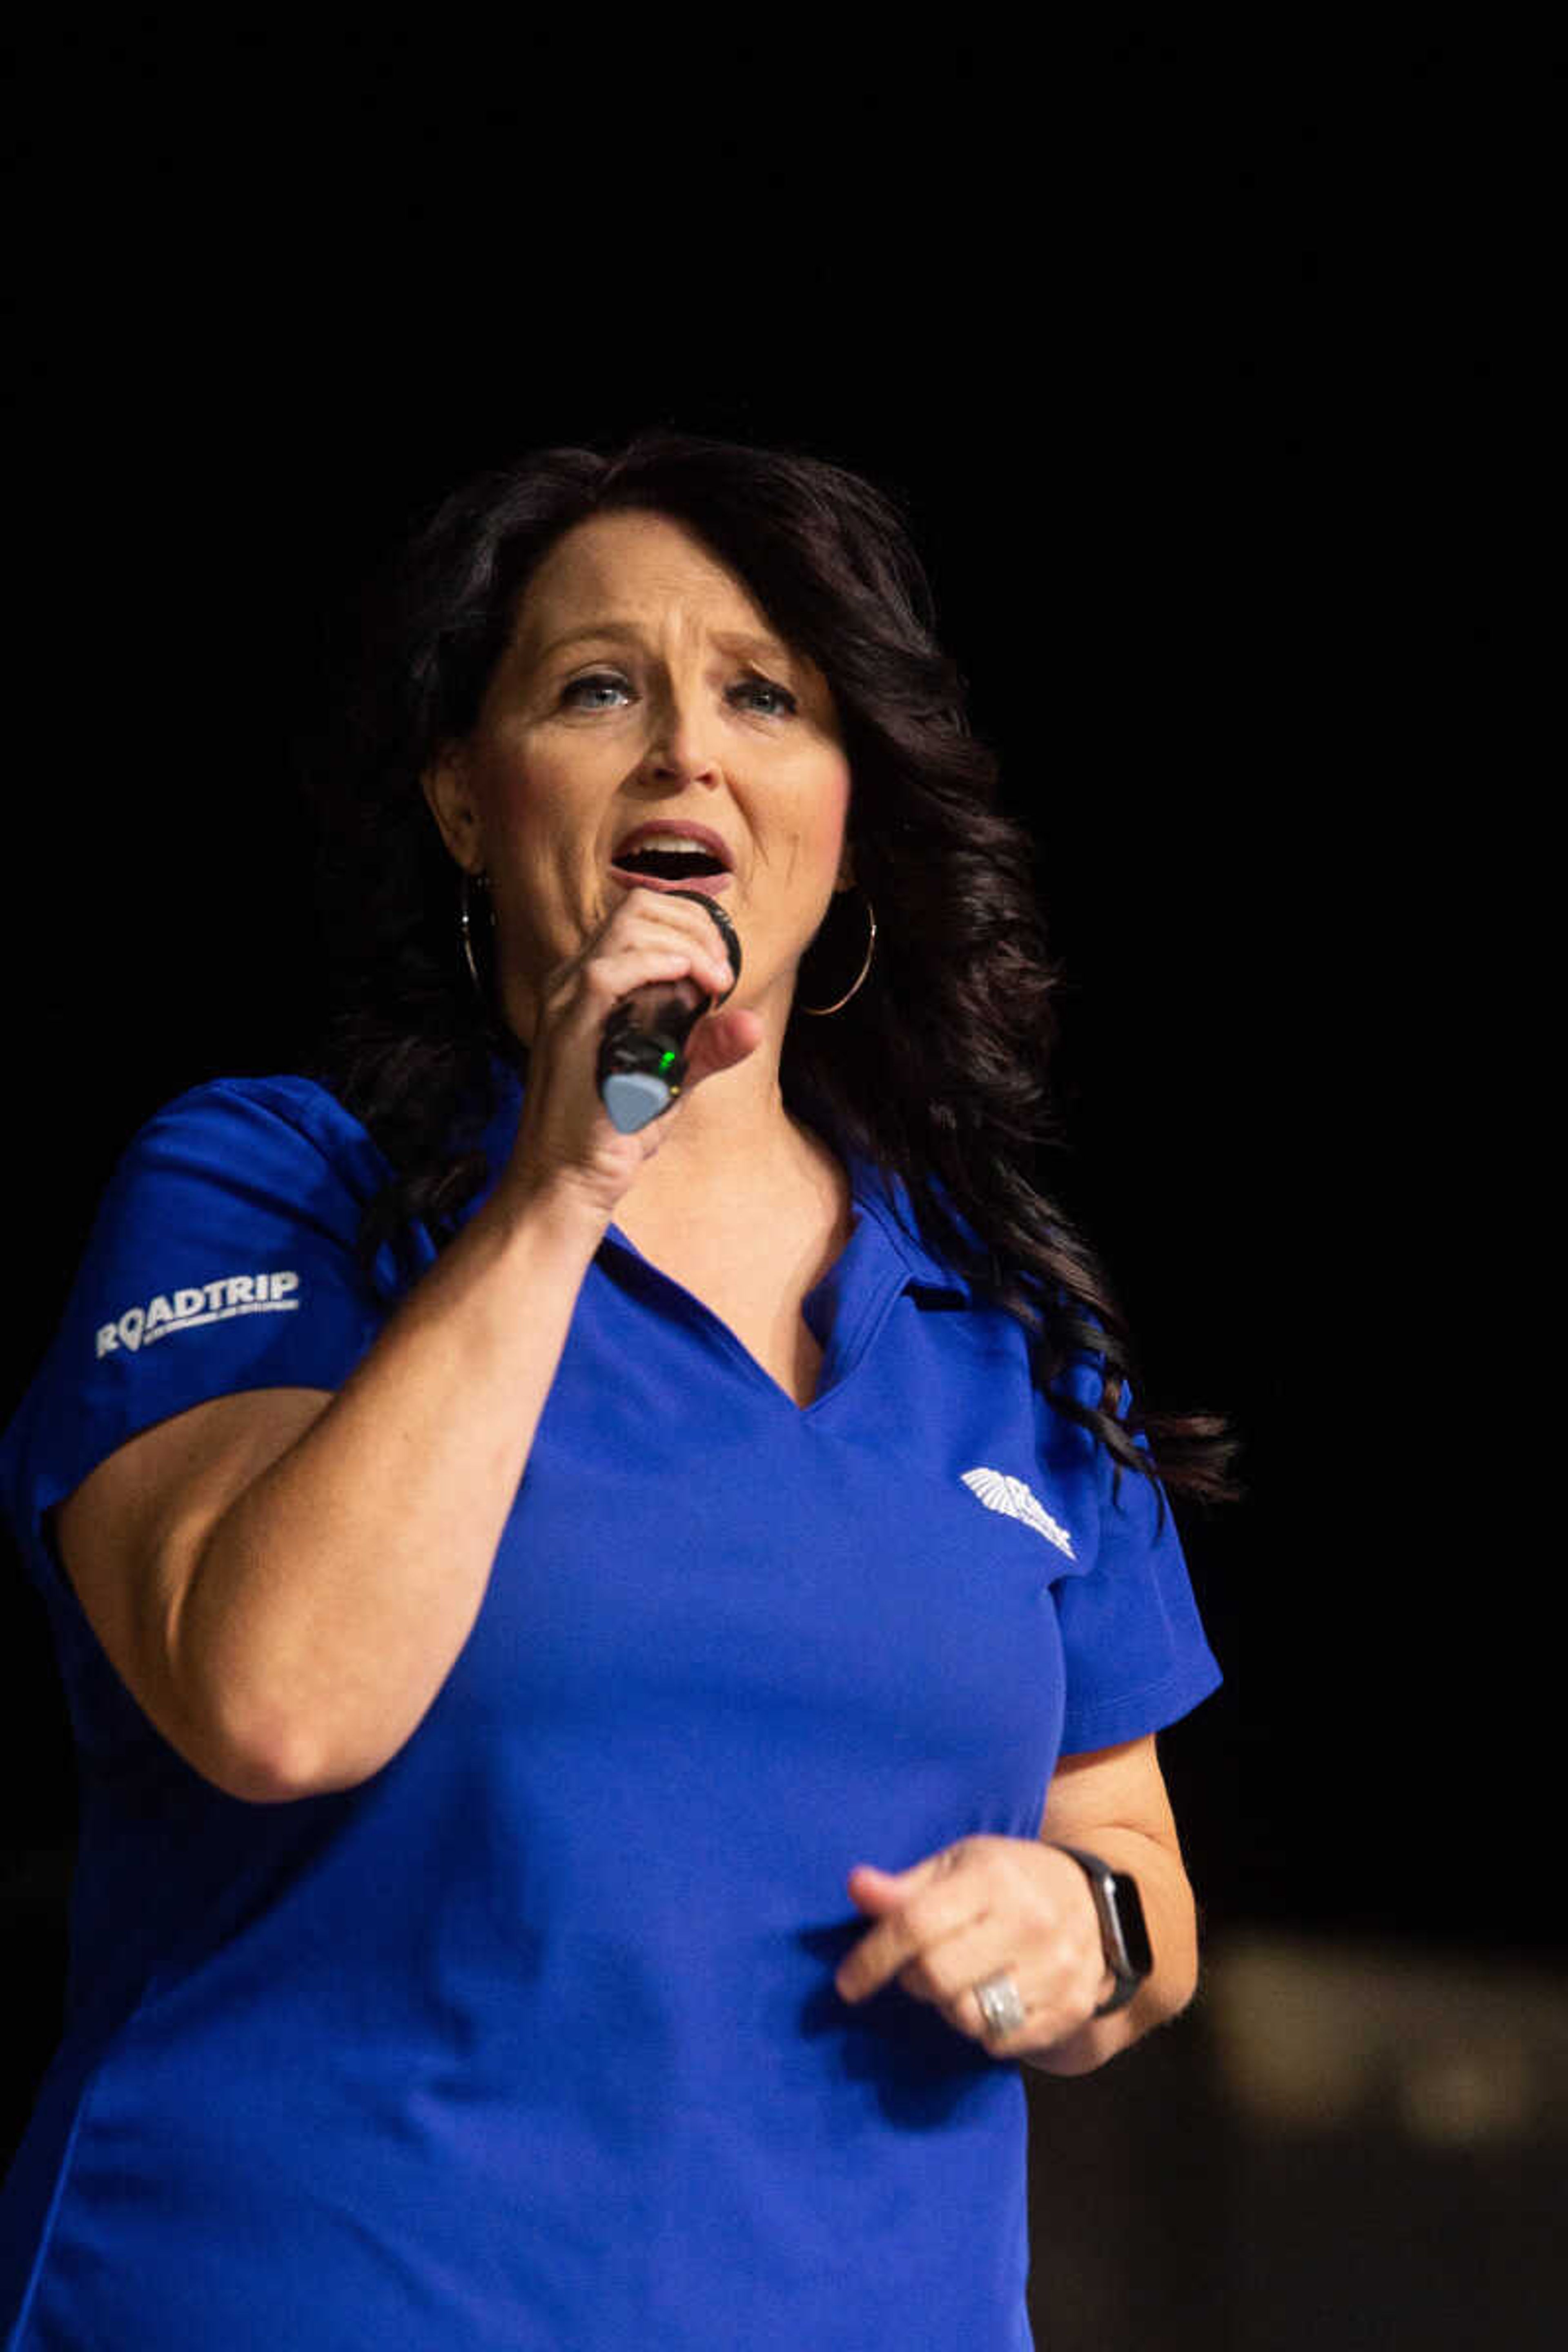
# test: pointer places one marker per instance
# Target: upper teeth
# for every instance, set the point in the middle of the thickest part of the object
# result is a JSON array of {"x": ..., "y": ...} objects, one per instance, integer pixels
[{"x": 669, "y": 840}]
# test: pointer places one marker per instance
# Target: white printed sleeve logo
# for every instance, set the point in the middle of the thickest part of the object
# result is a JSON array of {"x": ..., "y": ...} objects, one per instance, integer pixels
[
  {"x": 211, "y": 1302},
  {"x": 998, "y": 1492}
]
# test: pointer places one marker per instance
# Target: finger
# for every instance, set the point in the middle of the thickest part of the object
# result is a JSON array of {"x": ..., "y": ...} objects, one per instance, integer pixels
[
  {"x": 1059, "y": 1978},
  {"x": 583, "y": 1000},
  {"x": 949, "y": 1978},
  {"x": 946, "y": 1971},
  {"x": 907, "y": 1933},
  {"x": 1037, "y": 2028},
  {"x": 719, "y": 1041},
  {"x": 1058, "y": 1996},
  {"x": 877, "y": 1889},
  {"x": 656, "y": 917},
  {"x": 672, "y": 912},
  {"x": 657, "y": 943},
  {"x": 1058, "y": 1990}
]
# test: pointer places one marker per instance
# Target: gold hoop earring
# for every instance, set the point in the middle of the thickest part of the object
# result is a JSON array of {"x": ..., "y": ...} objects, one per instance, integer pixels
[
  {"x": 469, "y": 883},
  {"x": 820, "y": 1012}
]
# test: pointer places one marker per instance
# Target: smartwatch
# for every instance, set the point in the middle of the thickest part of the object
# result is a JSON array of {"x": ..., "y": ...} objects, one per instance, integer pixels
[{"x": 1124, "y": 1937}]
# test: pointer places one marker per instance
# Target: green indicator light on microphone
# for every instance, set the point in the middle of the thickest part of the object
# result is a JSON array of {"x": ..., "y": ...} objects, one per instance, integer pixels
[{"x": 641, "y": 1063}]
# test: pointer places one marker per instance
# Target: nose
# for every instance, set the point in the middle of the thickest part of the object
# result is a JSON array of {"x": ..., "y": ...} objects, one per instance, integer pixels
[{"x": 682, "y": 736}]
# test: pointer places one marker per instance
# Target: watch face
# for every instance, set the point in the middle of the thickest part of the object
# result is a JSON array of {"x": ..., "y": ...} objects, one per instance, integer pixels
[{"x": 1134, "y": 1934}]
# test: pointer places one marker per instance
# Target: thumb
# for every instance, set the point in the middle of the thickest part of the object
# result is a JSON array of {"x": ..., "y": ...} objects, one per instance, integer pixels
[
  {"x": 883, "y": 1890},
  {"x": 719, "y": 1040}
]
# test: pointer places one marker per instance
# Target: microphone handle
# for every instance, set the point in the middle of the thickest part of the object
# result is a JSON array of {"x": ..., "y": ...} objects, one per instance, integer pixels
[{"x": 642, "y": 1052}]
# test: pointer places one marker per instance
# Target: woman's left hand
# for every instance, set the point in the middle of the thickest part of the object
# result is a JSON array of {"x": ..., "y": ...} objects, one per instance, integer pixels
[{"x": 985, "y": 1907}]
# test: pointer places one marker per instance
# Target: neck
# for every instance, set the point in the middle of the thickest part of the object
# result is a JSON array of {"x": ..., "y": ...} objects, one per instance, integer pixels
[{"x": 732, "y": 1133}]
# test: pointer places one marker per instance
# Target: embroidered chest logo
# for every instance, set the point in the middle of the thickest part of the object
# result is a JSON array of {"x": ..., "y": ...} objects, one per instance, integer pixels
[
  {"x": 214, "y": 1302},
  {"x": 998, "y": 1492}
]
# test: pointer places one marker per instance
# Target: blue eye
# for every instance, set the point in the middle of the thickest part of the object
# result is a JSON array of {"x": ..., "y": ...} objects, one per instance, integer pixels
[
  {"x": 766, "y": 686},
  {"x": 750, "y": 686},
  {"x": 576, "y": 686}
]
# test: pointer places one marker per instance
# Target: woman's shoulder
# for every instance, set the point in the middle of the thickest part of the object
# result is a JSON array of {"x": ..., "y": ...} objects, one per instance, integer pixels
[
  {"x": 229, "y": 1171},
  {"x": 269, "y": 1119},
  {"x": 291, "y": 1095},
  {"x": 224, "y": 1255}
]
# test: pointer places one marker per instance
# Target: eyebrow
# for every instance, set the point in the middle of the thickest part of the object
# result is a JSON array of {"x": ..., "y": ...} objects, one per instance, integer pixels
[{"x": 733, "y": 641}]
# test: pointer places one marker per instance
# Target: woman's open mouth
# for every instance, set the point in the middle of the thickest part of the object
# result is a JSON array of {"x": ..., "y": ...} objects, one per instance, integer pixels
[{"x": 670, "y": 858}]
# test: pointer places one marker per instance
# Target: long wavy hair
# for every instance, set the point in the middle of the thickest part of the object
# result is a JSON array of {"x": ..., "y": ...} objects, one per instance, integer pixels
[{"x": 937, "y": 1069}]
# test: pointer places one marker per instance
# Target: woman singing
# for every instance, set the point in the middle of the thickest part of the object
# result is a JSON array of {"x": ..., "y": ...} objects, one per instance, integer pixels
[{"x": 615, "y": 1673}]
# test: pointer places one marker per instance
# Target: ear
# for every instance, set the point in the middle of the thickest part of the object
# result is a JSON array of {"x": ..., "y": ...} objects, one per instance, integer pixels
[
  {"x": 845, "y": 868},
  {"x": 446, "y": 788}
]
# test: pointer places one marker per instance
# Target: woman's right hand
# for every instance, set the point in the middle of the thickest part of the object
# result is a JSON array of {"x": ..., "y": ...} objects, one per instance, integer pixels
[{"x": 567, "y": 1150}]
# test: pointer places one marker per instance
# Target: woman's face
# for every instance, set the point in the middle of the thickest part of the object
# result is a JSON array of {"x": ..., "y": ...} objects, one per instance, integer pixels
[{"x": 673, "y": 705}]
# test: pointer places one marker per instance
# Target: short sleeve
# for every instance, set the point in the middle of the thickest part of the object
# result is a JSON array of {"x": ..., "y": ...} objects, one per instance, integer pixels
[
  {"x": 1136, "y": 1654},
  {"x": 222, "y": 1258}
]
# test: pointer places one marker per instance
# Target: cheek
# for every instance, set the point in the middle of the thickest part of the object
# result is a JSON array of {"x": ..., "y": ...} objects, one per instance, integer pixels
[
  {"x": 541, "y": 831},
  {"x": 825, "y": 813},
  {"x": 540, "y": 812},
  {"x": 526, "y": 793}
]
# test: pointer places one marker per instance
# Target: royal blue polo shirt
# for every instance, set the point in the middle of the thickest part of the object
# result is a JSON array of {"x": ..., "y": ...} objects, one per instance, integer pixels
[{"x": 531, "y": 2039}]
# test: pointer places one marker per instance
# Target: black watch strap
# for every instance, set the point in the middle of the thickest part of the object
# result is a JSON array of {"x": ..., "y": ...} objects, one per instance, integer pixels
[{"x": 1123, "y": 1935}]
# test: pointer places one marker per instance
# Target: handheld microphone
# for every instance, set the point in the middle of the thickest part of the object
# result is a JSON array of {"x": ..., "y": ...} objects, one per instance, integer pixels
[{"x": 642, "y": 1053}]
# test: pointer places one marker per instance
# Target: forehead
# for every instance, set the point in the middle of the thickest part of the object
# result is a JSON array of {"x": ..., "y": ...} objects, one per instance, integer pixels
[{"x": 631, "y": 566}]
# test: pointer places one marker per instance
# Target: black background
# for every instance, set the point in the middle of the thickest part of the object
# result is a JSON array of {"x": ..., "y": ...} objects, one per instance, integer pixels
[{"x": 1191, "y": 364}]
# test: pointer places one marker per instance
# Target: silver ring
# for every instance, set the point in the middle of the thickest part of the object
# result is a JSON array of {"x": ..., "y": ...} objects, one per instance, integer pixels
[{"x": 1000, "y": 2005}]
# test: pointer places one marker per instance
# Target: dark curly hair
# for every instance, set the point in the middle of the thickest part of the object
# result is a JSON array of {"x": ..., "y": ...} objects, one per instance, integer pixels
[{"x": 937, "y": 1067}]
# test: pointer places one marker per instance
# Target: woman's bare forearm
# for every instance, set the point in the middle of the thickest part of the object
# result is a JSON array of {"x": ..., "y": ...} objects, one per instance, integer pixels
[
  {"x": 330, "y": 1601},
  {"x": 1171, "y": 1915}
]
